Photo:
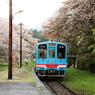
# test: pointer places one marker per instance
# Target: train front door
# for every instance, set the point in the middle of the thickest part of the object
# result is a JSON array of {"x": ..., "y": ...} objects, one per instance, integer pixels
[{"x": 52, "y": 57}]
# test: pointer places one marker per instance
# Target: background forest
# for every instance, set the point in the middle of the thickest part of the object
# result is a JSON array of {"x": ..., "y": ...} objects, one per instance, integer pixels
[
  {"x": 37, "y": 34},
  {"x": 74, "y": 24}
]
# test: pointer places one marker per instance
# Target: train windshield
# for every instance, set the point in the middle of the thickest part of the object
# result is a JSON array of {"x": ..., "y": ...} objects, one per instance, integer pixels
[
  {"x": 42, "y": 51},
  {"x": 61, "y": 51}
]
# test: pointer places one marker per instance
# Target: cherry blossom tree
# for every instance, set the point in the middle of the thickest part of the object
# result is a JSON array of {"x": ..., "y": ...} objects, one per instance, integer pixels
[{"x": 28, "y": 42}]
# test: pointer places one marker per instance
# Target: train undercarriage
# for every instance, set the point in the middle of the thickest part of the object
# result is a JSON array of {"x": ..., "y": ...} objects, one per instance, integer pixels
[{"x": 50, "y": 73}]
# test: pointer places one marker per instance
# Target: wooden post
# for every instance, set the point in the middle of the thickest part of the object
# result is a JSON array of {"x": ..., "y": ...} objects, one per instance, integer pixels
[
  {"x": 10, "y": 41},
  {"x": 20, "y": 44}
]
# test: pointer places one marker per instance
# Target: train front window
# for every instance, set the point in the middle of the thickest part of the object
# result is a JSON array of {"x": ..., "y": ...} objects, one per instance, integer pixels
[
  {"x": 42, "y": 51},
  {"x": 51, "y": 53},
  {"x": 61, "y": 51}
]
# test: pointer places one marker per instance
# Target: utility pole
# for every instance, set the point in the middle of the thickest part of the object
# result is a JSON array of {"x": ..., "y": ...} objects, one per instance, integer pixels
[
  {"x": 10, "y": 41},
  {"x": 20, "y": 44}
]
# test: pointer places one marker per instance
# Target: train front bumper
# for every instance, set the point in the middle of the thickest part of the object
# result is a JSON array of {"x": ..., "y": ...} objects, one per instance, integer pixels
[{"x": 61, "y": 67}]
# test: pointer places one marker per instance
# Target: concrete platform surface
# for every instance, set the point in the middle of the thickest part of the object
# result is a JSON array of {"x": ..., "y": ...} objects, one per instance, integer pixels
[
  {"x": 24, "y": 82},
  {"x": 19, "y": 88}
]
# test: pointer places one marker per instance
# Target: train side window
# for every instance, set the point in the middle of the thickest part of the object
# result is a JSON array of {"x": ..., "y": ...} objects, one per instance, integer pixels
[{"x": 51, "y": 53}]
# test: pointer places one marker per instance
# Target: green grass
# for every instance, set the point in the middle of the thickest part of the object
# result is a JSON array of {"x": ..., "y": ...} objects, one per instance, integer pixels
[
  {"x": 23, "y": 74},
  {"x": 3, "y": 65},
  {"x": 29, "y": 70},
  {"x": 81, "y": 82},
  {"x": 30, "y": 64}
]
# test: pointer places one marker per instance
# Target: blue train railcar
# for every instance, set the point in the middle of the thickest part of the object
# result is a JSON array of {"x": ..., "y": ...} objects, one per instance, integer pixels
[{"x": 51, "y": 59}]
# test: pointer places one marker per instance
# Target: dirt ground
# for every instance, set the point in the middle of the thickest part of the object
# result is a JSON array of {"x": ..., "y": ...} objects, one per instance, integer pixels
[{"x": 19, "y": 75}]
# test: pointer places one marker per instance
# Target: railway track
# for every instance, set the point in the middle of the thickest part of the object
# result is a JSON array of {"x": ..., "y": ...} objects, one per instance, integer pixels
[{"x": 57, "y": 88}]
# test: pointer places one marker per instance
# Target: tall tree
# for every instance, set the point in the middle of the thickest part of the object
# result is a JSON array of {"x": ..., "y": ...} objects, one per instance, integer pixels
[{"x": 72, "y": 24}]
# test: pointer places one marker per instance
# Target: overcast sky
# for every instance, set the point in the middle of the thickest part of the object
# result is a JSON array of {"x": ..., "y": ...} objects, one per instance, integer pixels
[{"x": 34, "y": 11}]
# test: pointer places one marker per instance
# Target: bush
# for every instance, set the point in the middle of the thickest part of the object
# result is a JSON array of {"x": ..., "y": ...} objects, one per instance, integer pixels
[{"x": 87, "y": 63}]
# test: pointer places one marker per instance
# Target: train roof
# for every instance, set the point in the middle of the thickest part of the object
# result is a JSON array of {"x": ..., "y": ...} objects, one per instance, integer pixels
[{"x": 51, "y": 42}]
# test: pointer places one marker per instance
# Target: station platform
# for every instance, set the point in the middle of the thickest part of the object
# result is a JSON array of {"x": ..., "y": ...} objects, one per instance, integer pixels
[{"x": 18, "y": 87}]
